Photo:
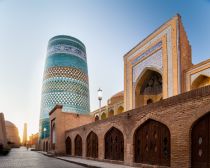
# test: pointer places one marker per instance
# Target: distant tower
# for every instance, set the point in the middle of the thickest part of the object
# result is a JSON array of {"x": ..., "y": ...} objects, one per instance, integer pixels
[
  {"x": 25, "y": 134},
  {"x": 65, "y": 79}
]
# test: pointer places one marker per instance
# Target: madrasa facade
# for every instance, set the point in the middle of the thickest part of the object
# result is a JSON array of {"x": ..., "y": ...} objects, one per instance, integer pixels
[{"x": 161, "y": 119}]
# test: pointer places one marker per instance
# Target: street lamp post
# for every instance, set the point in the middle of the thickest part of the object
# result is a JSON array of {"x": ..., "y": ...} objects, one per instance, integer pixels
[{"x": 99, "y": 97}]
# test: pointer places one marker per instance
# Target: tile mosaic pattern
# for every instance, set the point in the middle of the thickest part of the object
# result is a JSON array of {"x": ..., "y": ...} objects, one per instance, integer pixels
[
  {"x": 148, "y": 52},
  {"x": 65, "y": 79},
  {"x": 153, "y": 61}
]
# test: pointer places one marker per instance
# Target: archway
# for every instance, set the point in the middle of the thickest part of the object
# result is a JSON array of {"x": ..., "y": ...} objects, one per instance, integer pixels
[
  {"x": 92, "y": 145},
  {"x": 114, "y": 144},
  {"x": 68, "y": 146},
  {"x": 103, "y": 116},
  {"x": 200, "y": 137},
  {"x": 78, "y": 145},
  {"x": 111, "y": 113},
  {"x": 200, "y": 81},
  {"x": 120, "y": 110},
  {"x": 96, "y": 118},
  {"x": 149, "y": 86},
  {"x": 152, "y": 144}
]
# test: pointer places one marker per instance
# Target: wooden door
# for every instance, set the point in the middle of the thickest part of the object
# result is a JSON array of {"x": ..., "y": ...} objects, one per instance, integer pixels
[
  {"x": 200, "y": 143},
  {"x": 114, "y": 145},
  {"x": 46, "y": 146},
  {"x": 92, "y": 145},
  {"x": 152, "y": 144},
  {"x": 78, "y": 146},
  {"x": 68, "y": 146},
  {"x": 43, "y": 146}
]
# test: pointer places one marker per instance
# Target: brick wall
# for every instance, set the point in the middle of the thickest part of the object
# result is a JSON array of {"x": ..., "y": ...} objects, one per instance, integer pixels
[
  {"x": 63, "y": 122},
  {"x": 185, "y": 53},
  {"x": 178, "y": 113}
]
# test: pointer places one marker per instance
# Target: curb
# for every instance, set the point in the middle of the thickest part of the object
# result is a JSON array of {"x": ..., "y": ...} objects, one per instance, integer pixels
[
  {"x": 78, "y": 163},
  {"x": 49, "y": 155},
  {"x": 70, "y": 161}
]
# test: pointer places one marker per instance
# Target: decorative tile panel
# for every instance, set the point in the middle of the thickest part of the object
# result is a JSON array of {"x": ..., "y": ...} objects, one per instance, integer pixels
[
  {"x": 66, "y": 72},
  {"x": 148, "y": 52},
  {"x": 66, "y": 49},
  {"x": 153, "y": 61}
]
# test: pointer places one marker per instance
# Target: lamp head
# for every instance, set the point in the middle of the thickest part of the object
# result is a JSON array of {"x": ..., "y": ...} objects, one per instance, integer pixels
[{"x": 99, "y": 94}]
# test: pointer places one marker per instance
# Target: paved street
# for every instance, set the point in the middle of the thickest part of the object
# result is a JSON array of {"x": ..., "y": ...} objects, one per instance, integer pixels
[{"x": 21, "y": 158}]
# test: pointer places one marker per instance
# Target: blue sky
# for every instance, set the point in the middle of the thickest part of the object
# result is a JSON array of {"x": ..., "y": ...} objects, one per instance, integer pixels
[{"x": 108, "y": 28}]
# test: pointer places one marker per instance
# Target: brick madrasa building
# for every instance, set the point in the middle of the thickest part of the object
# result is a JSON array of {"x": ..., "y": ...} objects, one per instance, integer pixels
[{"x": 161, "y": 119}]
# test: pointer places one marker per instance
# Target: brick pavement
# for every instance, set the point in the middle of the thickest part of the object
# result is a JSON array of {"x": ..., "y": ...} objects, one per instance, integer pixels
[{"x": 21, "y": 158}]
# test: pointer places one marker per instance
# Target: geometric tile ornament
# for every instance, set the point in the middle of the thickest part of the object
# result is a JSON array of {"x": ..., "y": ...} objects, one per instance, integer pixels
[{"x": 65, "y": 79}]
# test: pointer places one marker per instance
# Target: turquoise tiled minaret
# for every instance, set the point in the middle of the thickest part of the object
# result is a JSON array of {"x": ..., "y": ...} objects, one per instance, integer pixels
[{"x": 65, "y": 80}]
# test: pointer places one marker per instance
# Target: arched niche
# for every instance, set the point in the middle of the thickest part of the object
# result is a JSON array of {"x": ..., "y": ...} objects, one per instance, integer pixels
[
  {"x": 200, "y": 81},
  {"x": 78, "y": 145},
  {"x": 103, "y": 116},
  {"x": 68, "y": 145},
  {"x": 120, "y": 110},
  {"x": 114, "y": 144},
  {"x": 96, "y": 118},
  {"x": 92, "y": 145},
  {"x": 148, "y": 88},
  {"x": 152, "y": 143},
  {"x": 200, "y": 142}
]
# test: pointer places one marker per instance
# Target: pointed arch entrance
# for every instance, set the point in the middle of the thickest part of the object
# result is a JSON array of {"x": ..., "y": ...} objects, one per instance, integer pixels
[
  {"x": 103, "y": 116},
  {"x": 96, "y": 118},
  {"x": 148, "y": 88},
  {"x": 200, "y": 137},
  {"x": 78, "y": 145},
  {"x": 68, "y": 146},
  {"x": 200, "y": 81},
  {"x": 152, "y": 144},
  {"x": 120, "y": 110},
  {"x": 114, "y": 144},
  {"x": 92, "y": 145}
]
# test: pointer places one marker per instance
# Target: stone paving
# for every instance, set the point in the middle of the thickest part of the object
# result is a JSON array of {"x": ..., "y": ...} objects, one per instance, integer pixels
[
  {"x": 92, "y": 163},
  {"x": 21, "y": 158}
]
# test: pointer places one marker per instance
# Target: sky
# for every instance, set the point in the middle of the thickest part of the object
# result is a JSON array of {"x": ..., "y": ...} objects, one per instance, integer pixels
[{"x": 108, "y": 28}]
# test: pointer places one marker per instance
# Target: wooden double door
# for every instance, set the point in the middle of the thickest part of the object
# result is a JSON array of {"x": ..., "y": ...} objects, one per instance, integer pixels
[
  {"x": 152, "y": 144},
  {"x": 68, "y": 146},
  {"x": 200, "y": 137},
  {"x": 114, "y": 144},
  {"x": 92, "y": 145},
  {"x": 78, "y": 145}
]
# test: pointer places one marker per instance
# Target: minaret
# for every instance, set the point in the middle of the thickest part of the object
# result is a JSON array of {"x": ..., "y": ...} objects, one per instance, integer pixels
[
  {"x": 65, "y": 80},
  {"x": 25, "y": 135}
]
